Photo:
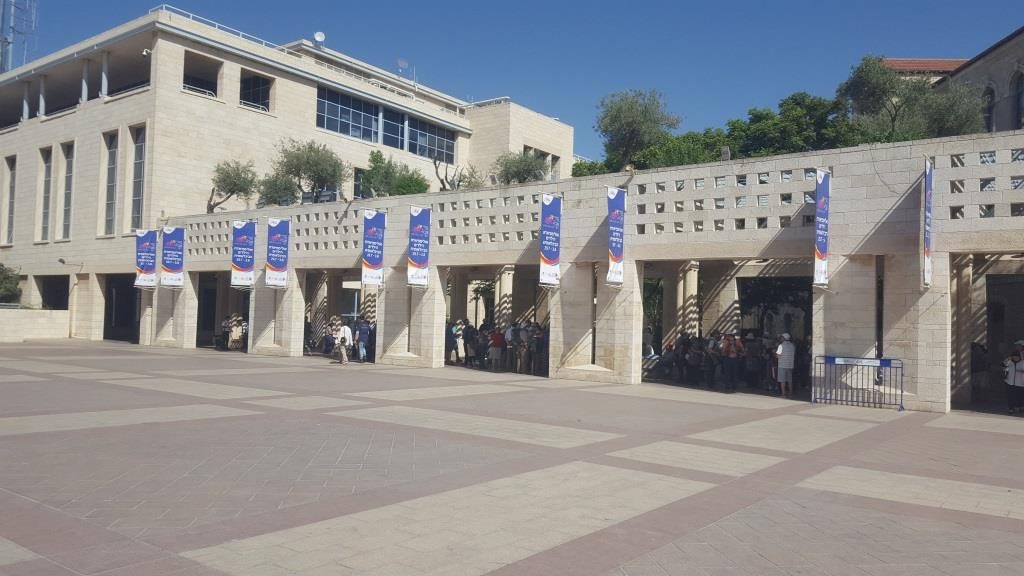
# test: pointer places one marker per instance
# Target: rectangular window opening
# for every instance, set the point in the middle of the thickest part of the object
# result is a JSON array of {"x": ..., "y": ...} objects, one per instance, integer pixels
[
  {"x": 69, "y": 184},
  {"x": 138, "y": 175},
  {"x": 201, "y": 74},
  {"x": 254, "y": 91},
  {"x": 46, "y": 155},
  {"x": 12, "y": 177},
  {"x": 110, "y": 201}
]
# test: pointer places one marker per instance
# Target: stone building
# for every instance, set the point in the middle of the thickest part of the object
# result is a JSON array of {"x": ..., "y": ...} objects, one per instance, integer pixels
[{"x": 705, "y": 230}]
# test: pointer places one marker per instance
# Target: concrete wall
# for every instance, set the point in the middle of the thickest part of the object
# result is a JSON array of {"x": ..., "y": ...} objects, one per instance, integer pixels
[{"x": 23, "y": 324}]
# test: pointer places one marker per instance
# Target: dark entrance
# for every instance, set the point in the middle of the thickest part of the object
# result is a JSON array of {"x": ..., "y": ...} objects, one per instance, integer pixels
[
  {"x": 121, "y": 308},
  {"x": 207, "y": 295},
  {"x": 54, "y": 291},
  {"x": 769, "y": 307},
  {"x": 1004, "y": 326}
]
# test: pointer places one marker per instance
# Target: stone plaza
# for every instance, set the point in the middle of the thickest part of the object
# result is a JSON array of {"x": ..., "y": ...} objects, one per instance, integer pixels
[{"x": 121, "y": 460}]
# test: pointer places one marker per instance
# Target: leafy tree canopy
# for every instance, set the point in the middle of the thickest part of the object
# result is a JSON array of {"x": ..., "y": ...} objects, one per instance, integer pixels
[
  {"x": 312, "y": 166},
  {"x": 520, "y": 168},
  {"x": 231, "y": 179},
  {"x": 9, "y": 290},
  {"x": 277, "y": 189},
  {"x": 631, "y": 121},
  {"x": 385, "y": 177}
]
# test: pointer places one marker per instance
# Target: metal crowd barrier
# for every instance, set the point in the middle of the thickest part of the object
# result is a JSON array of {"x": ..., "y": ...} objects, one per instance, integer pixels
[{"x": 871, "y": 382}]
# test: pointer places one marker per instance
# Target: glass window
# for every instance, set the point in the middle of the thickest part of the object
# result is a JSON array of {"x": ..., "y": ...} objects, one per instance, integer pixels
[
  {"x": 138, "y": 175},
  {"x": 12, "y": 175},
  {"x": 357, "y": 182},
  {"x": 393, "y": 129},
  {"x": 110, "y": 206},
  {"x": 1018, "y": 100},
  {"x": 44, "y": 223},
  {"x": 426, "y": 139},
  {"x": 343, "y": 114},
  {"x": 69, "y": 181},
  {"x": 254, "y": 91},
  {"x": 990, "y": 102}
]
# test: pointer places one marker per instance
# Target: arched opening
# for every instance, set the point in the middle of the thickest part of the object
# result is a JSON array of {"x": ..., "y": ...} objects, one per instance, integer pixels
[
  {"x": 1017, "y": 89},
  {"x": 989, "y": 97}
]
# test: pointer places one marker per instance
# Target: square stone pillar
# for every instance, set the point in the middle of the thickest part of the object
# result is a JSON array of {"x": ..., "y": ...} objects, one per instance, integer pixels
[
  {"x": 963, "y": 321},
  {"x": 525, "y": 294},
  {"x": 690, "y": 300},
  {"x": 275, "y": 315},
  {"x": 31, "y": 296},
  {"x": 147, "y": 322},
  {"x": 503, "y": 287},
  {"x": 720, "y": 297},
  {"x": 410, "y": 330},
  {"x": 620, "y": 318},
  {"x": 457, "y": 296},
  {"x": 164, "y": 303},
  {"x": 673, "y": 292},
  {"x": 843, "y": 315},
  {"x": 87, "y": 302},
  {"x": 186, "y": 313},
  {"x": 570, "y": 308}
]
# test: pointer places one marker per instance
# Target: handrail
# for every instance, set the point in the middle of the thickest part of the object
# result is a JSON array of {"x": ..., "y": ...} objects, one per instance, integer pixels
[
  {"x": 190, "y": 88},
  {"x": 248, "y": 37},
  {"x": 253, "y": 105}
]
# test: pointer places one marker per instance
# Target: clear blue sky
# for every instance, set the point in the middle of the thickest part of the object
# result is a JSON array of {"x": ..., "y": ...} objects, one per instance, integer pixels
[{"x": 712, "y": 60}]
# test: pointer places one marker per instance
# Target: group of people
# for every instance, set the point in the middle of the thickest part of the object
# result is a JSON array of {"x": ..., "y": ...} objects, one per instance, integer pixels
[
  {"x": 1013, "y": 374},
  {"x": 345, "y": 339},
  {"x": 234, "y": 333},
  {"x": 522, "y": 347},
  {"x": 730, "y": 360}
]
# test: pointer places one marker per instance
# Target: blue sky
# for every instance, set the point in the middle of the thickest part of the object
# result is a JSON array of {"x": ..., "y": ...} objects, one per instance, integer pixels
[{"x": 712, "y": 60}]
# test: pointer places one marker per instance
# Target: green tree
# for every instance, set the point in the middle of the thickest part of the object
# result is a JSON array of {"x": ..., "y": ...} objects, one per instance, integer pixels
[
  {"x": 520, "y": 168},
  {"x": 631, "y": 121},
  {"x": 9, "y": 290},
  {"x": 385, "y": 177},
  {"x": 312, "y": 166},
  {"x": 231, "y": 179},
  {"x": 589, "y": 168},
  {"x": 884, "y": 105},
  {"x": 277, "y": 189},
  {"x": 686, "y": 148},
  {"x": 954, "y": 109},
  {"x": 458, "y": 177}
]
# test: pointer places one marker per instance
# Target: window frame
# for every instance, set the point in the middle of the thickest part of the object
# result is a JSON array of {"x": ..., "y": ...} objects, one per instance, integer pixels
[{"x": 138, "y": 190}]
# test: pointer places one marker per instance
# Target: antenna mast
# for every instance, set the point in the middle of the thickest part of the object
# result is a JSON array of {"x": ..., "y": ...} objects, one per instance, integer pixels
[{"x": 18, "y": 24}]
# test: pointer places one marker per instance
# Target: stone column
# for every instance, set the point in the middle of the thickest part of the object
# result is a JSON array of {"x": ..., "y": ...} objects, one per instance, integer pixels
[
  {"x": 41, "y": 112},
  {"x": 88, "y": 311},
  {"x": 186, "y": 313},
  {"x": 104, "y": 74},
  {"x": 570, "y": 307},
  {"x": 147, "y": 323},
  {"x": 620, "y": 318},
  {"x": 85, "y": 82},
  {"x": 843, "y": 315},
  {"x": 503, "y": 296},
  {"x": 412, "y": 320},
  {"x": 393, "y": 317},
  {"x": 31, "y": 296},
  {"x": 264, "y": 304},
  {"x": 690, "y": 304},
  {"x": 962, "y": 316},
  {"x": 26, "y": 111},
  {"x": 457, "y": 296},
  {"x": 673, "y": 291}
]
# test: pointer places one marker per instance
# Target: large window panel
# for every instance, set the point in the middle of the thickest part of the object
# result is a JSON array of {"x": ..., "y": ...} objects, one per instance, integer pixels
[
  {"x": 138, "y": 175},
  {"x": 69, "y": 187},
  {"x": 393, "y": 129},
  {"x": 344, "y": 114},
  {"x": 431, "y": 141},
  {"x": 12, "y": 176},
  {"x": 110, "y": 203},
  {"x": 46, "y": 155}
]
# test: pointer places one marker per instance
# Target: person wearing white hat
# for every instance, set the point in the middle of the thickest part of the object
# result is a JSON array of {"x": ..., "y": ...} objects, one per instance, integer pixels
[
  {"x": 786, "y": 353},
  {"x": 1013, "y": 368}
]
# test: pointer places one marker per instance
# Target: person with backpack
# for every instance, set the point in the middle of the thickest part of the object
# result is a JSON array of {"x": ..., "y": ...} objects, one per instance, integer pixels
[{"x": 469, "y": 339}]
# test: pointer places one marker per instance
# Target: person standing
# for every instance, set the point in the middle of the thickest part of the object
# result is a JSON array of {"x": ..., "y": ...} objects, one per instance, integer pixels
[
  {"x": 468, "y": 342},
  {"x": 497, "y": 350},
  {"x": 457, "y": 340},
  {"x": 344, "y": 340},
  {"x": 1013, "y": 368},
  {"x": 362, "y": 338},
  {"x": 732, "y": 358},
  {"x": 786, "y": 354}
]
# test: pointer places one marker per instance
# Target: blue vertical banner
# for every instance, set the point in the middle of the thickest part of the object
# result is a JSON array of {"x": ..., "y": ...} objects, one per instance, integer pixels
[
  {"x": 550, "y": 240},
  {"x": 419, "y": 246},
  {"x": 926, "y": 233},
  {"x": 243, "y": 253},
  {"x": 276, "y": 270},
  {"x": 374, "y": 224},
  {"x": 822, "y": 196},
  {"x": 172, "y": 257},
  {"x": 145, "y": 258},
  {"x": 616, "y": 233}
]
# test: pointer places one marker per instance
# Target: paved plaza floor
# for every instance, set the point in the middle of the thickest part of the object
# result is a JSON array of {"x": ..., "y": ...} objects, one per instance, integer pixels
[{"x": 130, "y": 461}]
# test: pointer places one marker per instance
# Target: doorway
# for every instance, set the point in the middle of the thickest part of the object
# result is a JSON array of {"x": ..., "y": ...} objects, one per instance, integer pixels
[{"x": 121, "y": 308}]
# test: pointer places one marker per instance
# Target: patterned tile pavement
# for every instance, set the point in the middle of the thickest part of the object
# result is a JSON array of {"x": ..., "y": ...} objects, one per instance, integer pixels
[{"x": 123, "y": 461}]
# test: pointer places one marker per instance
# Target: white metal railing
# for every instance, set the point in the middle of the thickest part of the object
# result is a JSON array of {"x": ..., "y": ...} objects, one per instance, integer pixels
[
  {"x": 461, "y": 113},
  {"x": 254, "y": 105},
  {"x": 190, "y": 88}
]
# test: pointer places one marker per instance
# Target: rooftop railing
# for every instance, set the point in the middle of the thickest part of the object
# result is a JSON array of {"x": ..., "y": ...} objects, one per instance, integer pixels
[{"x": 296, "y": 54}]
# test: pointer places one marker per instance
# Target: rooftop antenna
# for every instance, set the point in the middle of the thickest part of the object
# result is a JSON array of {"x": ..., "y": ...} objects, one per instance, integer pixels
[
  {"x": 403, "y": 68},
  {"x": 18, "y": 24},
  {"x": 318, "y": 39}
]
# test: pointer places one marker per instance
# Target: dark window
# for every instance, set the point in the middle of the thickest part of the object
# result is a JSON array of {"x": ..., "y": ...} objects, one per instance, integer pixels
[
  {"x": 138, "y": 174},
  {"x": 44, "y": 223},
  {"x": 394, "y": 129},
  {"x": 110, "y": 205},
  {"x": 69, "y": 182},
  {"x": 12, "y": 174},
  {"x": 990, "y": 102},
  {"x": 255, "y": 91},
  {"x": 1018, "y": 100},
  {"x": 344, "y": 114},
  {"x": 426, "y": 139},
  {"x": 200, "y": 74}
]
